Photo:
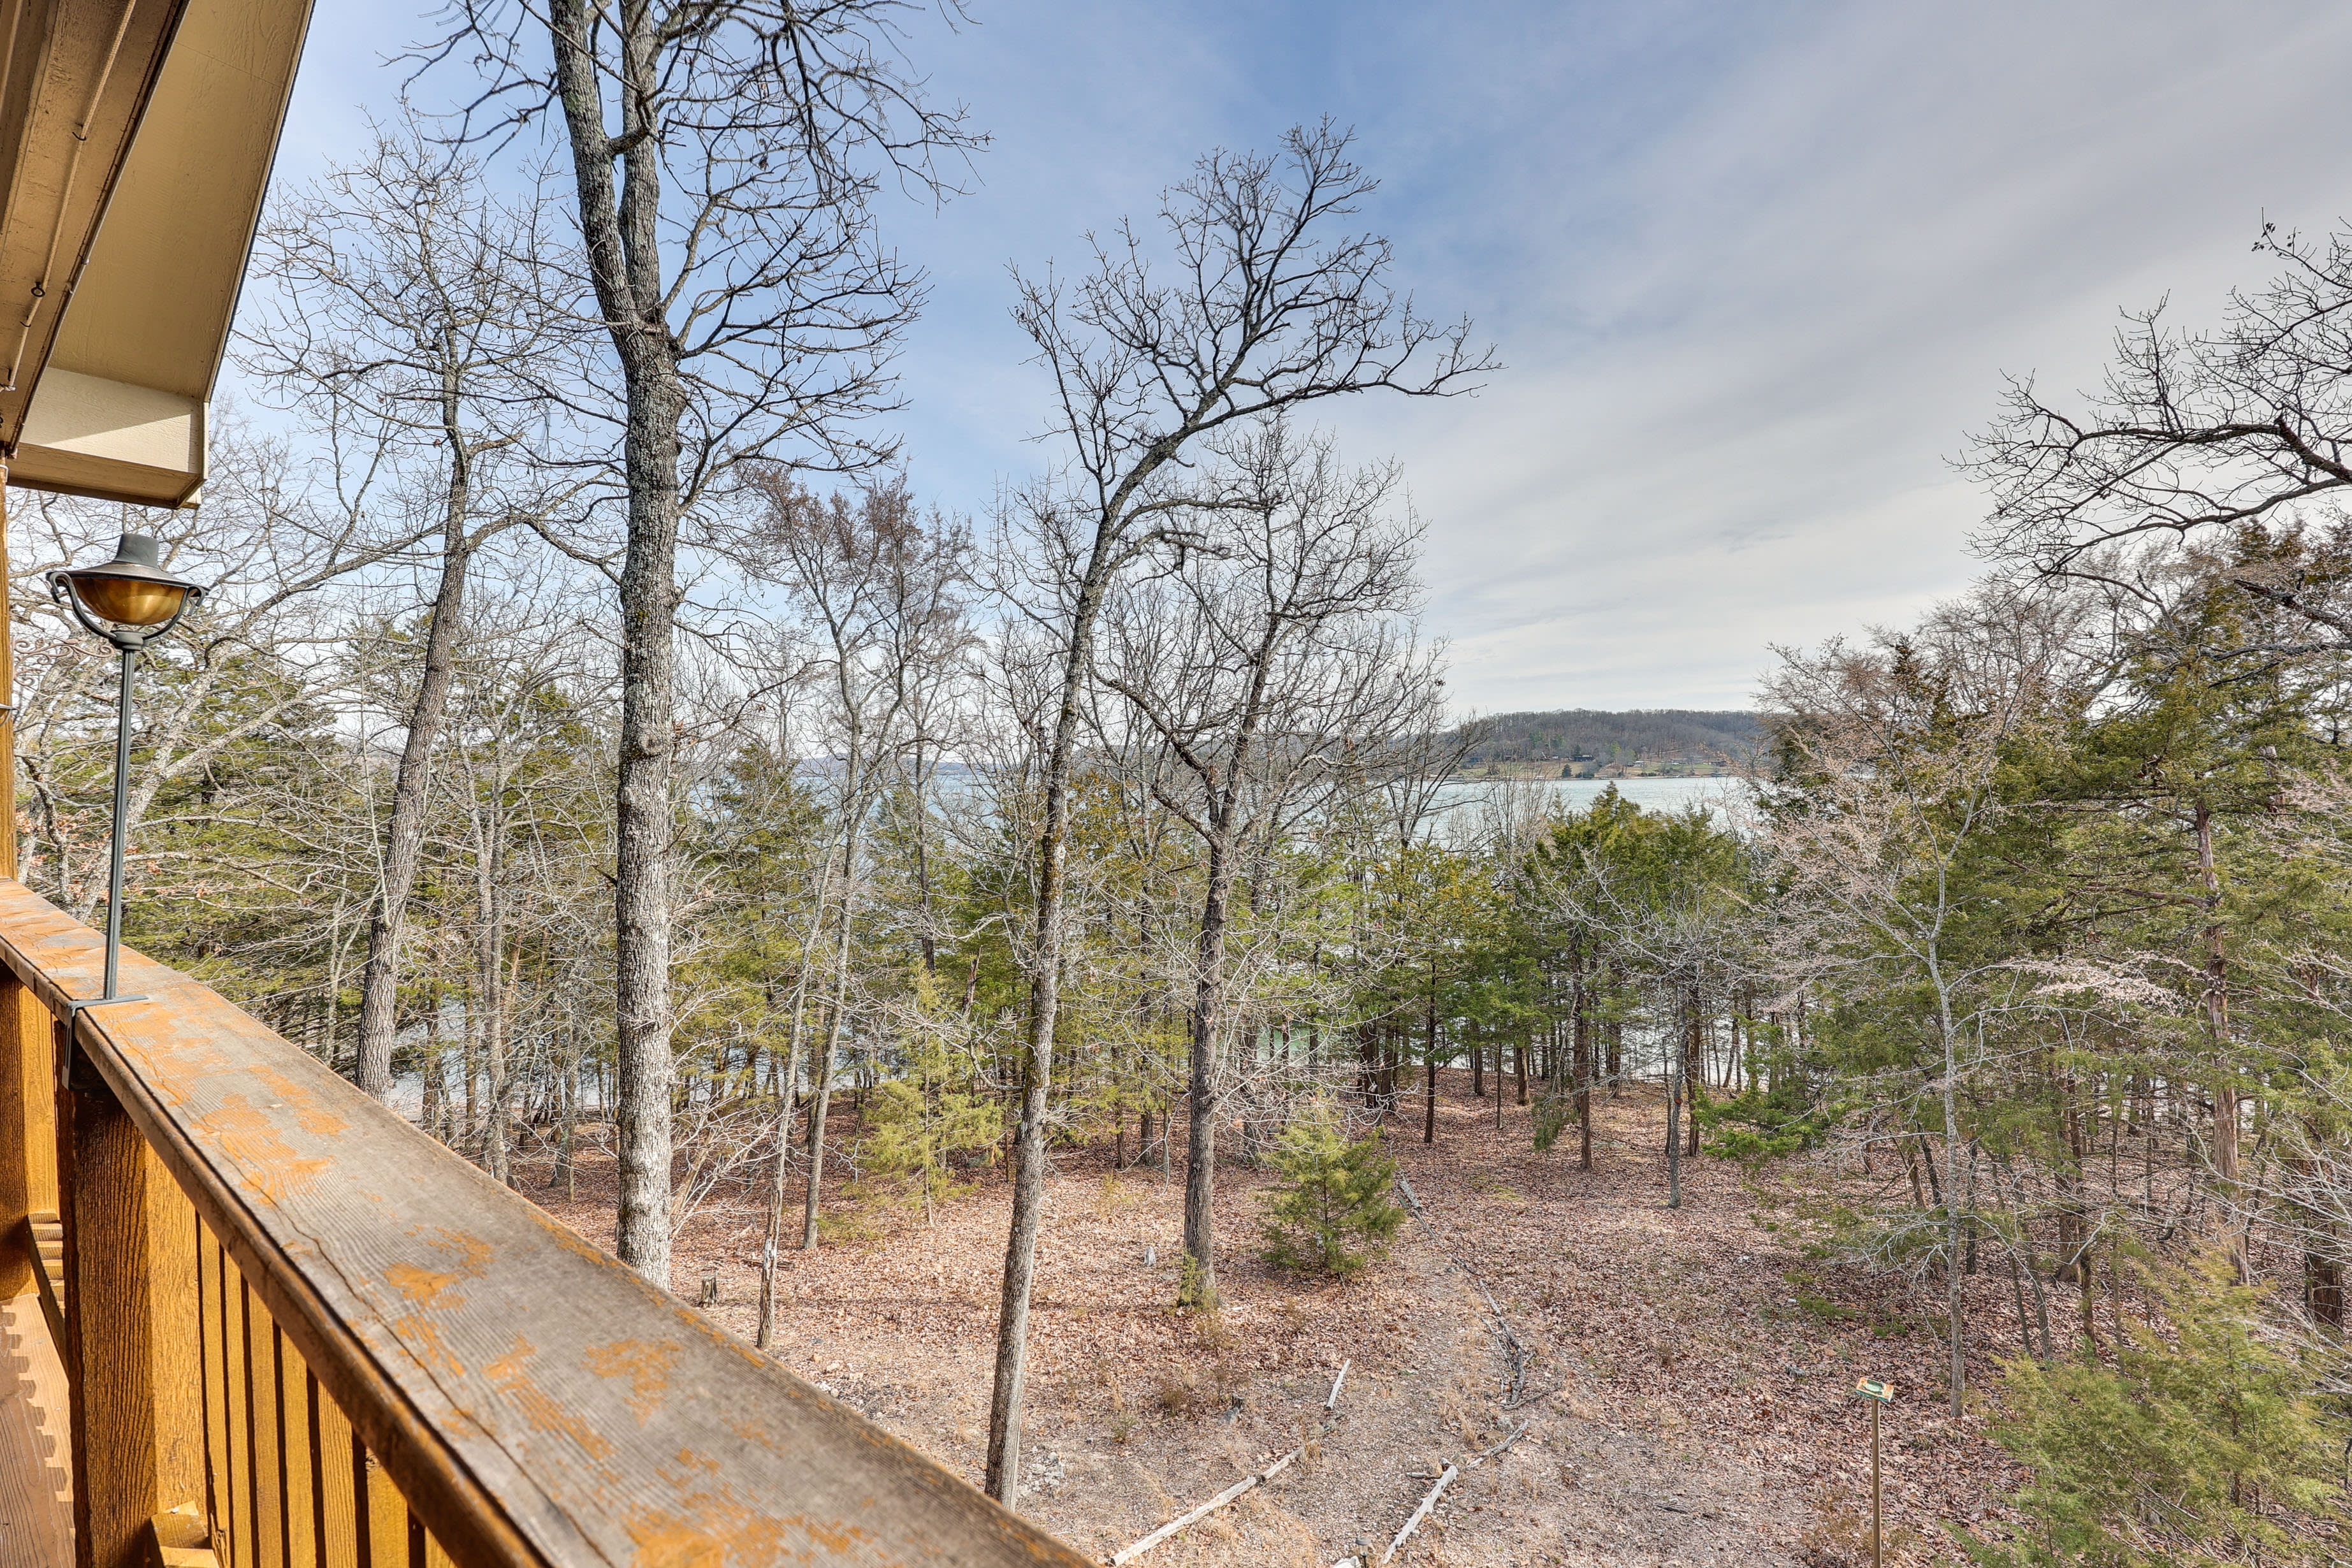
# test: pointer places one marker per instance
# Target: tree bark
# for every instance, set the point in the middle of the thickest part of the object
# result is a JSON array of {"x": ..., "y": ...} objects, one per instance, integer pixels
[
  {"x": 854, "y": 809},
  {"x": 1199, "y": 1287},
  {"x": 2217, "y": 1032},
  {"x": 1429, "y": 1111},
  {"x": 1002, "y": 1480},
  {"x": 787, "y": 1089},
  {"x": 1674, "y": 1119},
  {"x": 2323, "y": 1275},
  {"x": 489, "y": 943},
  {"x": 404, "y": 832},
  {"x": 622, "y": 246},
  {"x": 1694, "y": 1068},
  {"x": 1580, "y": 1033}
]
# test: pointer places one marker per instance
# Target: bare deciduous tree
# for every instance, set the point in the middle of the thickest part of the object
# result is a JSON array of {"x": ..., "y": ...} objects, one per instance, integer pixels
[
  {"x": 1900, "y": 746},
  {"x": 2195, "y": 436},
  {"x": 1259, "y": 306},
  {"x": 408, "y": 319},
  {"x": 881, "y": 594},
  {"x": 724, "y": 162},
  {"x": 251, "y": 656},
  {"x": 1253, "y": 663}
]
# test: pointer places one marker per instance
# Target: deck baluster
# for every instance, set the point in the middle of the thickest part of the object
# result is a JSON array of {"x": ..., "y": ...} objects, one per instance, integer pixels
[{"x": 131, "y": 1346}]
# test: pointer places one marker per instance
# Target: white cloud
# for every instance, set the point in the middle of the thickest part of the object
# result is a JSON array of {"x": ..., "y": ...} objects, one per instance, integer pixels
[
  {"x": 1729, "y": 428},
  {"x": 1754, "y": 269}
]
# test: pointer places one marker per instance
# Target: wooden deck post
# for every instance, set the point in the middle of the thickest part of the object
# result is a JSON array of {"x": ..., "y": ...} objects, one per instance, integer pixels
[
  {"x": 28, "y": 1145},
  {"x": 7, "y": 700},
  {"x": 28, "y": 1172},
  {"x": 133, "y": 1354}
]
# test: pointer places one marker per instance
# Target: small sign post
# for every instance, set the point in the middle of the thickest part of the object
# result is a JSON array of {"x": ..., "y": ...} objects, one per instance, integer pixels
[{"x": 1877, "y": 1393}]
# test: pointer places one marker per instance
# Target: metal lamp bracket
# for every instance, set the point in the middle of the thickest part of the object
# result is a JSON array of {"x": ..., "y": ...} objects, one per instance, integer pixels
[{"x": 66, "y": 1051}]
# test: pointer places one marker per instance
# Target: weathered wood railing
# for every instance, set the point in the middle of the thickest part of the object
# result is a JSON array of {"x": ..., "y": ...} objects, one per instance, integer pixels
[{"x": 299, "y": 1334}]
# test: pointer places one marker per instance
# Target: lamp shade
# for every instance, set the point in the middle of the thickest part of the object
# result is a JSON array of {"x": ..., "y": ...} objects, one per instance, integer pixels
[{"x": 132, "y": 589}]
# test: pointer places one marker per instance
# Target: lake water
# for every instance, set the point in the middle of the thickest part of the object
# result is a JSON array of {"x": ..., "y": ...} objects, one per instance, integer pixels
[
  {"x": 1565, "y": 796},
  {"x": 1575, "y": 794},
  {"x": 1464, "y": 816}
]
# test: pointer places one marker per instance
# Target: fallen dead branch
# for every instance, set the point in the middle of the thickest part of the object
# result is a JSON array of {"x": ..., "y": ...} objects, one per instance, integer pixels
[
  {"x": 1512, "y": 1345},
  {"x": 1126, "y": 1554},
  {"x": 1420, "y": 1513},
  {"x": 1429, "y": 1503},
  {"x": 1517, "y": 1433},
  {"x": 1129, "y": 1553}
]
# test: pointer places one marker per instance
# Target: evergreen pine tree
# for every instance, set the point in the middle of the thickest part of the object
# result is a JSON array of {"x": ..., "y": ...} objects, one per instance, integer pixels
[
  {"x": 1330, "y": 1213},
  {"x": 919, "y": 1120},
  {"x": 2204, "y": 1436}
]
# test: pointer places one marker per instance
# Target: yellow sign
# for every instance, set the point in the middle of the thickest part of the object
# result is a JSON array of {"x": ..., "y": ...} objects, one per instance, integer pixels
[{"x": 1867, "y": 1389}]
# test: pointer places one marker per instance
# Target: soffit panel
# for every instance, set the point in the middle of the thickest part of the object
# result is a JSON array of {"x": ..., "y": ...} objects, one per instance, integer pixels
[
  {"x": 154, "y": 304},
  {"x": 69, "y": 118}
]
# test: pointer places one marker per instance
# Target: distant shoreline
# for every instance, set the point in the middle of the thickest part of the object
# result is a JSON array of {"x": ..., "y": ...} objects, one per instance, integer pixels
[{"x": 1559, "y": 773}]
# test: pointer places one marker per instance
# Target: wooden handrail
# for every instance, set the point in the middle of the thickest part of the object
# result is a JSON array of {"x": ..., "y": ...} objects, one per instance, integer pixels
[{"x": 534, "y": 1401}]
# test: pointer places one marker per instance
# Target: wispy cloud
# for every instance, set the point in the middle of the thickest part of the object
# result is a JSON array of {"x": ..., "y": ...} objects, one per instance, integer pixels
[{"x": 1755, "y": 268}]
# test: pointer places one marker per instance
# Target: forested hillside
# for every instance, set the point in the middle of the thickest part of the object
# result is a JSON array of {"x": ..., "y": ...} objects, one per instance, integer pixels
[
  {"x": 1082, "y": 1004},
  {"x": 1580, "y": 742}
]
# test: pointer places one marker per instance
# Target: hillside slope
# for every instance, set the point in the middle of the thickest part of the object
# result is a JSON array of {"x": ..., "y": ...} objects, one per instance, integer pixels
[{"x": 1583, "y": 742}]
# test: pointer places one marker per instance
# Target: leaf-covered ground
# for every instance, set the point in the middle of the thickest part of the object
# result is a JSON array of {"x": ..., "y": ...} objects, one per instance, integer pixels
[{"x": 1688, "y": 1390}]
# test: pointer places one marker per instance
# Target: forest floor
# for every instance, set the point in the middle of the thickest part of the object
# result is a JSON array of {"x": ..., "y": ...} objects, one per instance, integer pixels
[{"x": 1687, "y": 1387}]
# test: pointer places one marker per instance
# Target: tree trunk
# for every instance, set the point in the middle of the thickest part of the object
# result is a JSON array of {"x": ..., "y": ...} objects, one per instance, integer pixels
[
  {"x": 2073, "y": 1243},
  {"x": 437, "y": 1077},
  {"x": 2323, "y": 1276},
  {"x": 1580, "y": 1035},
  {"x": 1673, "y": 1142},
  {"x": 1948, "y": 1192},
  {"x": 1003, "y": 1479},
  {"x": 1199, "y": 1286},
  {"x": 1694, "y": 1071},
  {"x": 2217, "y": 1032},
  {"x": 404, "y": 832},
  {"x": 853, "y": 816},
  {"x": 566, "y": 1174},
  {"x": 787, "y": 1095},
  {"x": 1429, "y": 1103},
  {"x": 2024, "y": 1324},
  {"x": 1429, "y": 1114},
  {"x": 621, "y": 231},
  {"x": 1675, "y": 1073},
  {"x": 469, "y": 1140},
  {"x": 489, "y": 940}
]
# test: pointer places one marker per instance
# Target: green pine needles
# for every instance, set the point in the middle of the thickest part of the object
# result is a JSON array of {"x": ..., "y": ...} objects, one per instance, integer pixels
[
  {"x": 932, "y": 1111},
  {"x": 2204, "y": 1442},
  {"x": 1329, "y": 1214},
  {"x": 1552, "y": 1114},
  {"x": 1759, "y": 1124}
]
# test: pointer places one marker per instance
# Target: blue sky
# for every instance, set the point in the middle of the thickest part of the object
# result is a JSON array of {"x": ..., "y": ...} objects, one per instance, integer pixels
[{"x": 1754, "y": 268}]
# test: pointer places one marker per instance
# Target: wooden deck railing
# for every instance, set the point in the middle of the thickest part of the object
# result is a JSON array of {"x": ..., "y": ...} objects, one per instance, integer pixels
[{"x": 299, "y": 1333}]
